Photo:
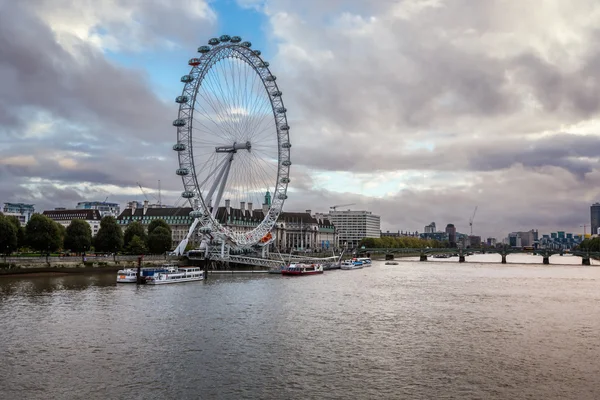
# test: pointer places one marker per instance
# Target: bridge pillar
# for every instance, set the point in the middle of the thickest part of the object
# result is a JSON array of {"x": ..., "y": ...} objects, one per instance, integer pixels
[
  {"x": 585, "y": 261},
  {"x": 503, "y": 258},
  {"x": 546, "y": 259},
  {"x": 461, "y": 258},
  {"x": 423, "y": 257},
  {"x": 389, "y": 256}
]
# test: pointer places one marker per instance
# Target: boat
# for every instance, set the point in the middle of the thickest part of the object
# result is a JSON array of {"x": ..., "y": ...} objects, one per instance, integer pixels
[
  {"x": 351, "y": 264},
  {"x": 129, "y": 275},
  {"x": 391, "y": 263},
  {"x": 365, "y": 260},
  {"x": 302, "y": 269},
  {"x": 277, "y": 270},
  {"x": 175, "y": 275}
]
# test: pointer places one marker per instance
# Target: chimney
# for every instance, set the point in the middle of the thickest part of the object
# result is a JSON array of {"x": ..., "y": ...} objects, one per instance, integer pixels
[
  {"x": 228, "y": 206},
  {"x": 309, "y": 212},
  {"x": 250, "y": 207},
  {"x": 145, "y": 206},
  {"x": 242, "y": 206}
]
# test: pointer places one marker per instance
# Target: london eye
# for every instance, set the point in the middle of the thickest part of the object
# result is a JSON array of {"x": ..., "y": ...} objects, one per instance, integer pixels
[{"x": 233, "y": 141}]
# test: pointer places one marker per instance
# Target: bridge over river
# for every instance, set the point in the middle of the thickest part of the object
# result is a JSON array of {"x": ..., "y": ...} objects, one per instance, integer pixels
[{"x": 425, "y": 253}]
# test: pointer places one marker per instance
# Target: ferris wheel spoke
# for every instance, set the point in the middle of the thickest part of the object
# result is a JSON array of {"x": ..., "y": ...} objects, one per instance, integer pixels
[
  {"x": 212, "y": 102},
  {"x": 220, "y": 131}
]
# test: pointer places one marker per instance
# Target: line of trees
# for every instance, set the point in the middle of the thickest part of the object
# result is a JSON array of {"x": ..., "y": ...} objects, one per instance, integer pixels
[
  {"x": 43, "y": 235},
  {"x": 410, "y": 242},
  {"x": 590, "y": 244},
  {"x": 156, "y": 241}
]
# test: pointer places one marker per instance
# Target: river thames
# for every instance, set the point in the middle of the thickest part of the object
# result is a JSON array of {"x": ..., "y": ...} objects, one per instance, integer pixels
[{"x": 434, "y": 330}]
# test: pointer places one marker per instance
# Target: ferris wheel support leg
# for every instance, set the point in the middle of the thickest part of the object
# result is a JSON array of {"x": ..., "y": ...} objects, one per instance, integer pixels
[
  {"x": 183, "y": 244},
  {"x": 215, "y": 184},
  {"x": 222, "y": 187}
]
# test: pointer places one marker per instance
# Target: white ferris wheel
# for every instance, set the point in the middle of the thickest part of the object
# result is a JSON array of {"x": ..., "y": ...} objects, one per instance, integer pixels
[{"x": 232, "y": 141}]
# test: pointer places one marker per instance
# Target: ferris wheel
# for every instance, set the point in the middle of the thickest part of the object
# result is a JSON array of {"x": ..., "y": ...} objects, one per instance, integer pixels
[{"x": 232, "y": 142}]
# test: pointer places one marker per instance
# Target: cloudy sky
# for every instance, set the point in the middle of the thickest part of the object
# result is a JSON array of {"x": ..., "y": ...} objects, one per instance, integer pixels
[{"x": 417, "y": 110}]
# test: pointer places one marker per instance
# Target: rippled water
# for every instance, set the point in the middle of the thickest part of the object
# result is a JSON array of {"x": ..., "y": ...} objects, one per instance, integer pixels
[{"x": 413, "y": 331}]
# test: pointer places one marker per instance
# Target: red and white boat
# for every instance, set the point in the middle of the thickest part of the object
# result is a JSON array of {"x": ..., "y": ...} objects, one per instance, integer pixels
[{"x": 303, "y": 269}]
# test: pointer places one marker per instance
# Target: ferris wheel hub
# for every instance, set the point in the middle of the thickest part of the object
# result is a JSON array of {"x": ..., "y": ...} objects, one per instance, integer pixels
[{"x": 234, "y": 148}]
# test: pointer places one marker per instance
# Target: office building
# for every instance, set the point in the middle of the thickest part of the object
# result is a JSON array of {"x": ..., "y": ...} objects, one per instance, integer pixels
[
  {"x": 451, "y": 231},
  {"x": 64, "y": 217},
  {"x": 595, "y": 218},
  {"x": 353, "y": 226},
  {"x": 22, "y": 211},
  {"x": 111, "y": 209},
  {"x": 430, "y": 228}
]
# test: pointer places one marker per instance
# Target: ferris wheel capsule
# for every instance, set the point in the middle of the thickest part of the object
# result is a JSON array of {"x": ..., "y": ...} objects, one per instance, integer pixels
[
  {"x": 213, "y": 41},
  {"x": 236, "y": 39},
  {"x": 196, "y": 214},
  {"x": 179, "y": 147}
]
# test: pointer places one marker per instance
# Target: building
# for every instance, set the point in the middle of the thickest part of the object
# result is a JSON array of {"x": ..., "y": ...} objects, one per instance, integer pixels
[
  {"x": 474, "y": 241},
  {"x": 110, "y": 209},
  {"x": 354, "y": 226},
  {"x": 451, "y": 231},
  {"x": 491, "y": 242},
  {"x": 64, "y": 217},
  {"x": 595, "y": 218},
  {"x": 22, "y": 211},
  {"x": 399, "y": 234},
  {"x": 430, "y": 228},
  {"x": 293, "y": 230}
]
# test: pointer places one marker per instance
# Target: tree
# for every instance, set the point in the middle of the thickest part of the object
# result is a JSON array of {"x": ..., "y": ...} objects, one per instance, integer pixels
[
  {"x": 134, "y": 229},
  {"x": 110, "y": 236},
  {"x": 62, "y": 233},
  {"x": 136, "y": 245},
  {"x": 158, "y": 223},
  {"x": 78, "y": 236},
  {"x": 8, "y": 236},
  {"x": 42, "y": 234},
  {"x": 159, "y": 240},
  {"x": 20, "y": 230}
]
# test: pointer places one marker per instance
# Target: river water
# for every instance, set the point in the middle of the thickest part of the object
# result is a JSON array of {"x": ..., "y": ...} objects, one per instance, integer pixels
[{"x": 435, "y": 330}]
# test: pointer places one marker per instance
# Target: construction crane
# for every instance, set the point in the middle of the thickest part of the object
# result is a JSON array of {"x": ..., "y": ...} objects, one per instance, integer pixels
[
  {"x": 471, "y": 220},
  {"x": 341, "y": 205},
  {"x": 144, "y": 193}
]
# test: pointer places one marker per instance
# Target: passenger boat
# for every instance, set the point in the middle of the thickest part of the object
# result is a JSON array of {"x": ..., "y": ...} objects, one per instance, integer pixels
[
  {"x": 365, "y": 260},
  {"x": 129, "y": 275},
  {"x": 350, "y": 264},
  {"x": 176, "y": 275},
  {"x": 302, "y": 269},
  {"x": 277, "y": 270}
]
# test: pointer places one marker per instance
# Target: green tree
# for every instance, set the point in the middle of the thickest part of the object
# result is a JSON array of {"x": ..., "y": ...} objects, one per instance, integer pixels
[
  {"x": 8, "y": 236},
  {"x": 78, "y": 236},
  {"x": 62, "y": 233},
  {"x": 136, "y": 245},
  {"x": 158, "y": 223},
  {"x": 42, "y": 234},
  {"x": 20, "y": 230},
  {"x": 134, "y": 229},
  {"x": 110, "y": 236},
  {"x": 159, "y": 240}
]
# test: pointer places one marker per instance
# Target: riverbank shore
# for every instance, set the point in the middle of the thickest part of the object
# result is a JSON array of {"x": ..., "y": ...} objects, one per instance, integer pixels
[{"x": 61, "y": 266}]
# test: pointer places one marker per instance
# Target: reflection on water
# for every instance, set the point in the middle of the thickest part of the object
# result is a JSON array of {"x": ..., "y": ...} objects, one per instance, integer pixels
[{"x": 414, "y": 330}]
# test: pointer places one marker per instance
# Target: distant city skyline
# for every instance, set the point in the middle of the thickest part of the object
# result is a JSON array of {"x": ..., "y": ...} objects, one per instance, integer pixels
[{"x": 480, "y": 111}]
